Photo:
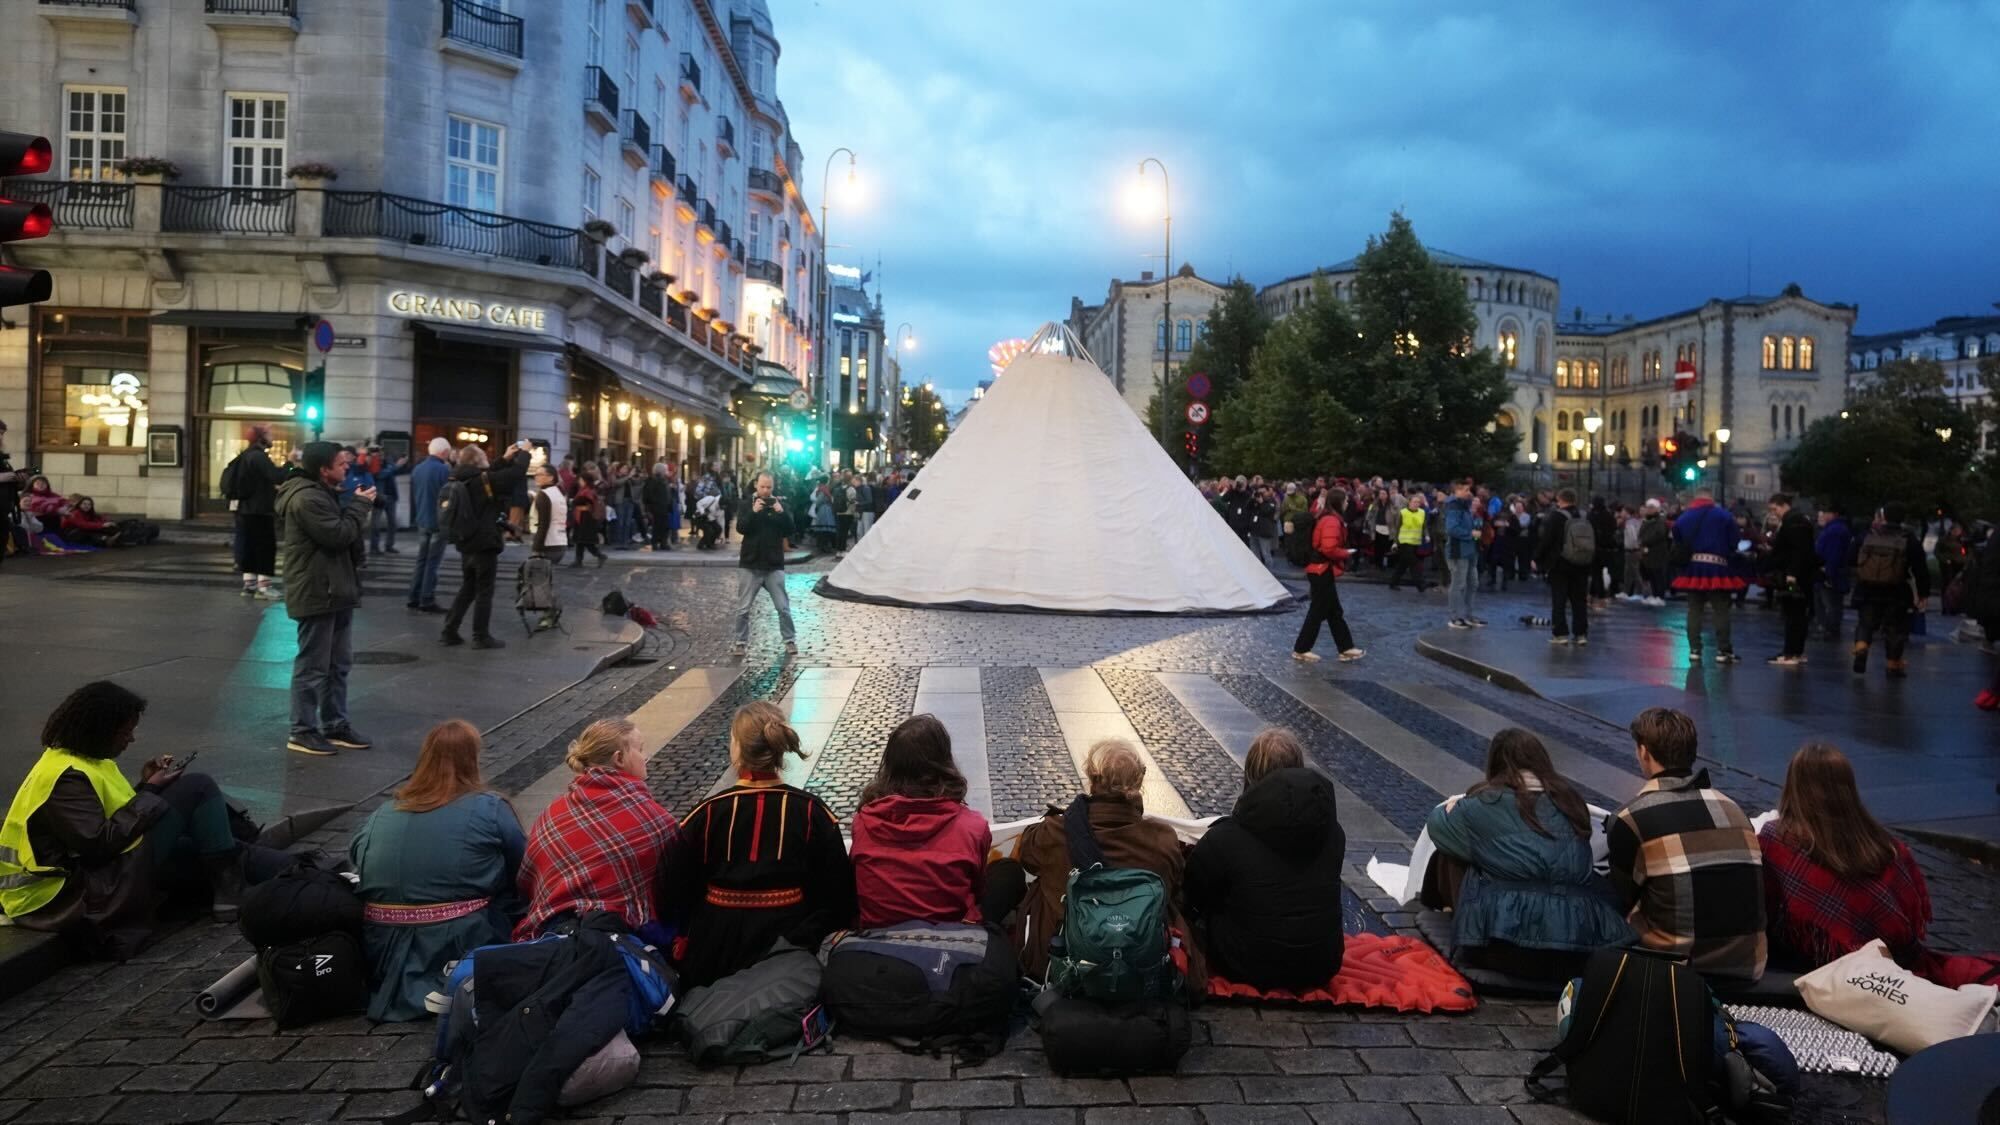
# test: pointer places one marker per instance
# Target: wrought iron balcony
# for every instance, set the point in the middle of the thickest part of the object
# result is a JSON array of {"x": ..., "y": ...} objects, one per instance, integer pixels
[
  {"x": 227, "y": 210},
  {"x": 423, "y": 222},
  {"x": 686, "y": 191},
  {"x": 598, "y": 88},
  {"x": 690, "y": 77},
  {"x": 706, "y": 213},
  {"x": 763, "y": 181},
  {"x": 764, "y": 270},
  {"x": 253, "y": 7},
  {"x": 663, "y": 164},
  {"x": 722, "y": 233},
  {"x": 638, "y": 135},
  {"x": 121, "y": 5},
  {"x": 77, "y": 204},
  {"x": 725, "y": 135},
  {"x": 619, "y": 277},
  {"x": 481, "y": 26},
  {"x": 650, "y": 300},
  {"x": 736, "y": 250}
]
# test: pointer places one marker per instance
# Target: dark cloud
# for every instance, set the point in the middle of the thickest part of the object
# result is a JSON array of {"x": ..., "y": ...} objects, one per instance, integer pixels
[{"x": 1649, "y": 156}]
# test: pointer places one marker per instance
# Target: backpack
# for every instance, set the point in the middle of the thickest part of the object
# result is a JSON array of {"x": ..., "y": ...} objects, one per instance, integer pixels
[
  {"x": 928, "y": 987},
  {"x": 1637, "y": 1042},
  {"x": 458, "y": 513},
  {"x": 1579, "y": 545},
  {"x": 1883, "y": 559},
  {"x": 315, "y": 979},
  {"x": 297, "y": 904},
  {"x": 535, "y": 591},
  {"x": 232, "y": 479},
  {"x": 1113, "y": 945},
  {"x": 768, "y": 1011},
  {"x": 1087, "y": 1038}
]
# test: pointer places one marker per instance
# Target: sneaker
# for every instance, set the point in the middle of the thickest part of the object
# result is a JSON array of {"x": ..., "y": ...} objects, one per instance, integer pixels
[
  {"x": 1476, "y": 622},
  {"x": 437, "y": 1004},
  {"x": 310, "y": 742},
  {"x": 347, "y": 738},
  {"x": 1694, "y": 659},
  {"x": 1458, "y": 623},
  {"x": 270, "y": 594},
  {"x": 1898, "y": 669},
  {"x": 1306, "y": 657},
  {"x": 1351, "y": 655},
  {"x": 450, "y": 638},
  {"x": 249, "y": 591},
  {"x": 791, "y": 648},
  {"x": 1582, "y": 640},
  {"x": 1727, "y": 658},
  {"x": 738, "y": 649},
  {"x": 1559, "y": 640},
  {"x": 430, "y": 607},
  {"x": 1785, "y": 660},
  {"x": 488, "y": 642},
  {"x": 1656, "y": 603}
]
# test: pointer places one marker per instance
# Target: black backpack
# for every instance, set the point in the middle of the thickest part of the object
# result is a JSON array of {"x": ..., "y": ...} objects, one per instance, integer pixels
[
  {"x": 315, "y": 979},
  {"x": 297, "y": 904},
  {"x": 1085, "y": 1037},
  {"x": 459, "y": 511},
  {"x": 1639, "y": 1044},
  {"x": 232, "y": 478},
  {"x": 890, "y": 984}
]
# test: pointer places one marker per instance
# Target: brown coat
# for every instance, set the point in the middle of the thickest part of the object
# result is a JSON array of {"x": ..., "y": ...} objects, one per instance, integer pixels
[{"x": 1129, "y": 840}]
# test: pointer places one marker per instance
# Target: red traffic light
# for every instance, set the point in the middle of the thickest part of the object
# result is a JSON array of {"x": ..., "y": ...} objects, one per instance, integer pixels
[
  {"x": 24, "y": 154},
  {"x": 1669, "y": 447},
  {"x": 24, "y": 220}
]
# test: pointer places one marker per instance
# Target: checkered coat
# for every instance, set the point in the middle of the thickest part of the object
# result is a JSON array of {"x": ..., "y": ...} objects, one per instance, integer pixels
[
  {"x": 1686, "y": 863},
  {"x": 600, "y": 846}
]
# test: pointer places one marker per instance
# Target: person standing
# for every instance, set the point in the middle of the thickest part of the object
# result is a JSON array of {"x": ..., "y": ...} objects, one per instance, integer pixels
[
  {"x": 382, "y": 525},
  {"x": 1328, "y": 560},
  {"x": 1794, "y": 566},
  {"x": 730, "y": 496},
  {"x": 864, "y": 507},
  {"x": 1835, "y": 548},
  {"x": 657, "y": 494},
  {"x": 765, "y": 528},
  {"x": 1707, "y": 536},
  {"x": 426, "y": 481},
  {"x": 1462, "y": 525},
  {"x": 1566, "y": 553},
  {"x": 1604, "y": 529},
  {"x": 1411, "y": 527},
  {"x": 843, "y": 512},
  {"x": 548, "y": 529},
  {"x": 1891, "y": 581},
  {"x": 253, "y": 483},
  {"x": 1656, "y": 548},
  {"x": 322, "y": 532},
  {"x": 587, "y": 503},
  {"x": 11, "y": 484},
  {"x": 486, "y": 491}
]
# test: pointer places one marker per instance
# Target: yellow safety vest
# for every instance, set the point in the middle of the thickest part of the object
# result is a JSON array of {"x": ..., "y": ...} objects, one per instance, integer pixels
[
  {"x": 25, "y": 885},
  {"x": 1411, "y": 530}
]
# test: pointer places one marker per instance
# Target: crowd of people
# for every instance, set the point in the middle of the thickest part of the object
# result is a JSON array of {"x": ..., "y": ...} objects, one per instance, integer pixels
[{"x": 37, "y": 519}]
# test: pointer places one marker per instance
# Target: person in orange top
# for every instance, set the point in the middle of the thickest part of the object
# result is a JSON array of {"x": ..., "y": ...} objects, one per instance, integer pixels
[{"x": 1329, "y": 559}]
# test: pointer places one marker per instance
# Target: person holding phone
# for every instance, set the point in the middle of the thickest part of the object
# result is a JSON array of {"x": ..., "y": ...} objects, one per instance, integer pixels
[
  {"x": 323, "y": 533},
  {"x": 765, "y": 528}
]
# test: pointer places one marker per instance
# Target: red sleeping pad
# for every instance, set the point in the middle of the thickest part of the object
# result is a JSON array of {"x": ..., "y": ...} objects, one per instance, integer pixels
[{"x": 1375, "y": 972}]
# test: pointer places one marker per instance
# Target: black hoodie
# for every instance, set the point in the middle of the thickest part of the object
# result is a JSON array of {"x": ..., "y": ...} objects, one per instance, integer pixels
[{"x": 1264, "y": 884}]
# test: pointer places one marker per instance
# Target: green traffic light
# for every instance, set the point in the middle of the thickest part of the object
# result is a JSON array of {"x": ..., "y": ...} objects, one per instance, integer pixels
[
  {"x": 312, "y": 413},
  {"x": 1690, "y": 473}
]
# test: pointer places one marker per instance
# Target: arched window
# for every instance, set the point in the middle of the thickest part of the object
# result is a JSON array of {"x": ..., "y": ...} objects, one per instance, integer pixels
[
  {"x": 1562, "y": 373},
  {"x": 1562, "y": 421},
  {"x": 1479, "y": 284},
  {"x": 1541, "y": 349},
  {"x": 1596, "y": 375},
  {"x": 1296, "y": 298},
  {"x": 1770, "y": 353},
  {"x": 1971, "y": 347},
  {"x": 1868, "y": 361},
  {"x": 1774, "y": 417},
  {"x": 1805, "y": 353},
  {"x": 1507, "y": 345},
  {"x": 1183, "y": 335},
  {"x": 1802, "y": 421},
  {"x": 1788, "y": 353},
  {"x": 1788, "y": 419},
  {"x": 1160, "y": 334}
]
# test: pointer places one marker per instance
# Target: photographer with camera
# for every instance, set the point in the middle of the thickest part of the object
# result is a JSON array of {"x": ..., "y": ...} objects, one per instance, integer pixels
[
  {"x": 765, "y": 528},
  {"x": 321, "y": 532}
]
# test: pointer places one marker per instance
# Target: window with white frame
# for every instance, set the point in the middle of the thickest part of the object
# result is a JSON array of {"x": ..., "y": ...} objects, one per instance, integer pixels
[
  {"x": 93, "y": 131},
  {"x": 256, "y": 149},
  {"x": 632, "y": 66},
  {"x": 594, "y": 33},
  {"x": 628, "y": 221},
  {"x": 472, "y": 153},
  {"x": 593, "y": 193},
  {"x": 758, "y": 141},
  {"x": 660, "y": 104},
  {"x": 757, "y": 234}
]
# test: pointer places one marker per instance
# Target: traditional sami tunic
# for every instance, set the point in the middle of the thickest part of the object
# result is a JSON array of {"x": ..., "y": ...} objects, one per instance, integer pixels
[
  {"x": 758, "y": 862},
  {"x": 1709, "y": 533}
]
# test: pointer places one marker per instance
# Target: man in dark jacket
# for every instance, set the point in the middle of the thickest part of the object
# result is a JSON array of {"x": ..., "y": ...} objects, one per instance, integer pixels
[
  {"x": 1569, "y": 578},
  {"x": 1835, "y": 548},
  {"x": 765, "y": 527},
  {"x": 322, "y": 532},
  {"x": 253, "y": 484},
  {"x": 489, "y": 491},
  {"x": 1794, "y": 565},
  {"x": 1891, "y": 582},
  {"x": 426, "y": 481},
  {"x": 659, "y": 496}
]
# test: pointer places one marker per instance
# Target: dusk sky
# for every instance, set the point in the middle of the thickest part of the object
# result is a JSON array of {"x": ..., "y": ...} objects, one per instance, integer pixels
[{"x": 1647, "y": 156}]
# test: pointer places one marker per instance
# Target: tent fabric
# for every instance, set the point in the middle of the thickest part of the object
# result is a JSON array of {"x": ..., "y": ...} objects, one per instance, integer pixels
[{"x": 1052, "y": 496}]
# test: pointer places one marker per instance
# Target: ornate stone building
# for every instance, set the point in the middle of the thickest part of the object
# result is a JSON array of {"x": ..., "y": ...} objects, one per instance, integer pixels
[{"x": 1128, "y": 335}]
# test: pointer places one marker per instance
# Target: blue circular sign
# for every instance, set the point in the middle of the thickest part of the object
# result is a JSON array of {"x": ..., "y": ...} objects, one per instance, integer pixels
[
  {"x": 323, "y": 336},
  {"x": 1197, "y": 385}
]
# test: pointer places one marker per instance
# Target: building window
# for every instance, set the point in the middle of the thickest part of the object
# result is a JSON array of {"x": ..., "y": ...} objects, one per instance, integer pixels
[
  {"x": 1774, "y": 418},
  {"x": 1806, "y": 353},
  {"x": 94, "y": 132},
  {"x": 628, "y": 221},
  {"x": 472, "y": 163},
  {"x": 1770, "y": 353},
  {"x": 1596, "y": 375},
  {"x": 1183, "y": 335},
  {"x": 632, "y": 66},
  {"x": 256, "y": 149},
  {"x": 93, "y": 382},
  {"x": 757, "y": 234},
  {"x": 1201, "y": 329},
  {"x": 1788, "y": 353},
  {"x": 593, "y": 193},
  {"x": 1510, "y": 348},
  {"x": 594, "y": 43},
  {"x": 1562, "y": 421},
  {"x": 1562, "y": 373},
  {"x": 1541, "y": 349},
  {"x": 1971, "y": 347},
  {"x": 1160, "y": 334}
]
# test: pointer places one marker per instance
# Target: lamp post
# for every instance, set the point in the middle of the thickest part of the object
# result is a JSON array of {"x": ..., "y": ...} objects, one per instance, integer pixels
[
  {"x": 1166, "y": 291},
  {"x": 1591, "y": 424},
  {"x": 1577, "y": 452},
  {"x": 1534, "y": 470},
  {"x": 1722, "y": 448},
  {"x": 826, "y": 303},
  {"x": 1611, "y": 451}
]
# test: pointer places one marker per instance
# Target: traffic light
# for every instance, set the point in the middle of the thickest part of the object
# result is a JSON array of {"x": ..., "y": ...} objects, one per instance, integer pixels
[
  {"x": 312, "y": 400},
  {"x": 23, "y": 154},
  {"x": 1691, "y": 474}
]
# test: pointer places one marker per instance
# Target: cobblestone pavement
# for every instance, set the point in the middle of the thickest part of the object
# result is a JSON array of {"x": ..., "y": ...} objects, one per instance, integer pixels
[{"x": 98, "y": 1043}]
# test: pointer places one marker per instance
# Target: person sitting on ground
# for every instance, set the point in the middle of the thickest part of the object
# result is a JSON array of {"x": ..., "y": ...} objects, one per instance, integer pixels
[
  {"x": 919, "y": 851},
  {"x": 1835, "y": 879},
  {"x": 1514, "y": 868},
  {"x": 43, "y": 502},
  {"x": 1263, "y": 885},
  {"x": 1684, "y": 859},
  {"x": 1114, "y": 775},
  {"x": 762, "y": 861},
  {"x": 601, "y": 844},
  {"x": 82, "y": 524},
  {"x": 438, "y": 866},
  {"x": 85, "y": 853}
]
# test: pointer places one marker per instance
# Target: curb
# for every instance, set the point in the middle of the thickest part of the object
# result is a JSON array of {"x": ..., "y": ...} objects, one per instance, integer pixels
[{"x": 1498, "y": 677}]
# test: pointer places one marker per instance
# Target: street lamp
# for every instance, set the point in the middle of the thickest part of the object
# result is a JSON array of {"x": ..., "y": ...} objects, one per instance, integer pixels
[
  {"x": 1591, "y": 424},
  {"x": 1944, "y": 433},
  {"x": 1166, "y": 288},
  {"x": 826, "y": 299},
  {"x": 1722, "y": 436}
]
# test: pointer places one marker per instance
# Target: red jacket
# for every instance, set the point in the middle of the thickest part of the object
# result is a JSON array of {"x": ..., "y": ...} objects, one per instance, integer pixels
[
  {"x": 77, "y": 519},
  {"x": 919, "y": 859},
  {"x": 1329, "y": 542}
]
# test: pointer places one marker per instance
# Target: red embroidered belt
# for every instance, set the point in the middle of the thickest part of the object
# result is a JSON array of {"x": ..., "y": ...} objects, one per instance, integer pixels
[
  {"x": 402, "y": 914},
  {"x": 754, "y": 900}
]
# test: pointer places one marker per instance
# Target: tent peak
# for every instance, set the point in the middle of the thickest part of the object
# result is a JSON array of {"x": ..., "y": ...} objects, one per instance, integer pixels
[{"x": 1055, "y": 338}]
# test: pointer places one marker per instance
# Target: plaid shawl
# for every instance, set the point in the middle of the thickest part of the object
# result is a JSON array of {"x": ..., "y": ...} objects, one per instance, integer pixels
[
  {"x": 600, "y": 846},
  {"x": 1685, "y": 861},
  {"x": 1818, "y": 916}
]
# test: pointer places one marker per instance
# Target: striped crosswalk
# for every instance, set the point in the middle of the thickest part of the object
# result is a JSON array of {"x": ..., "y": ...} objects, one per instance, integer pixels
[
  {"x": 1020, "y": 735},
  {"x": 382, "y": 573}
]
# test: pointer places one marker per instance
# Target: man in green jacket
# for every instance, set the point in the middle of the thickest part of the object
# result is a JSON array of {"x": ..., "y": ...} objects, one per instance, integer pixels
[{"x": 321, "y": 533}]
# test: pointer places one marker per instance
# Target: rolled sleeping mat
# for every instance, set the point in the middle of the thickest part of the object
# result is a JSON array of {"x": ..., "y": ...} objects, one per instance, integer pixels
[{"x": 234, "y": 997}]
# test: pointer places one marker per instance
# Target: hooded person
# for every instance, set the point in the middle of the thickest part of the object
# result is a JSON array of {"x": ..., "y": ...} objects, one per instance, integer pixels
[
  {"x": 1263, "y": 885},
  {"x": 919, "y": 851}
]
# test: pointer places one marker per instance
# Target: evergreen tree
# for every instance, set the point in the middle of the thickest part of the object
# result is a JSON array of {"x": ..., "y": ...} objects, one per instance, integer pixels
[
  {"x": 1288, "y": 419},
  {"x": 922, "y": 414},
  {"x": 1889, "y": 444},
  {"x": 1236, "y": 328}
]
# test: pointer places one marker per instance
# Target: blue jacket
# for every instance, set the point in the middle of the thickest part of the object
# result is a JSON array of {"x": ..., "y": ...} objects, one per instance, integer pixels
[
  {"x": 1521, "y": 887},
  {"x": 1835, "y": 548},
  {"x": 358, "y": 477},
  {"x": 426, "y": 481},
  {"x": 1710, "y": 534},
  {"x": 386, "y": 481},
  {"x": 1461, "y": 528}
]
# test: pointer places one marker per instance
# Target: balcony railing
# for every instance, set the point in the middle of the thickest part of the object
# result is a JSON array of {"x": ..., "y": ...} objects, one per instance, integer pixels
[
  {"x": 637, "y": 133},
  {"x": 725, "y": 133},
  {"x": 766, "y": 181},
  {"x": 619, "y": 277},
  {"x": 677, "y": 315},
  {"x": 598, "y": 87},
  {"x": 422, "y": 222},
  {"x": 77, "y": 204},
  {"x": 690, "y": 74},
  {"x": 663, "y": 163},
  {"x": 686, "y": 190},
  {"x": 254, "y": 7},
  {"x": 736, "y": 250},
  {"x": 784, "y": 232},
  {"x": 482, "y": 26},
  {"x": 226, "y": 210},
  {"x": 123, "y": 5},
  {"x": 765, "y": 270},
  {"x": 706, "y": 214},
  {"x": 650, "y": 299},
  {"x": 723, "y": 233}
]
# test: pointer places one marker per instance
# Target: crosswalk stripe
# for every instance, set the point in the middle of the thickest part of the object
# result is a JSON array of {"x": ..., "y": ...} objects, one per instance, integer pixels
[
  {"x": 1088, "y": 713},
  {"x": 1233, "y": 725},
  {"x": 954, "y": 696},
  {"x": 1418, "y": 758},
  {"x": 1584, "y": 769},
  {"x": 659, "y": 719}
]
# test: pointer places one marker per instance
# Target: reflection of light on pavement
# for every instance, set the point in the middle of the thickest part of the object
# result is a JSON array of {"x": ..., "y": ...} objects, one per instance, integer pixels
[{"x": 260, "y": 681}]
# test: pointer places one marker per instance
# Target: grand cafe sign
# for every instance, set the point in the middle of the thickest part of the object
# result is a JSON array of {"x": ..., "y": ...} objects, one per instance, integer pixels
[{"x": 470, "y": 310}]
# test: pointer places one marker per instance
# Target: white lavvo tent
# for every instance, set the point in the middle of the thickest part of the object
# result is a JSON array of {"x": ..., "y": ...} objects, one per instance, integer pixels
[{"x": 1052, "y": 496}]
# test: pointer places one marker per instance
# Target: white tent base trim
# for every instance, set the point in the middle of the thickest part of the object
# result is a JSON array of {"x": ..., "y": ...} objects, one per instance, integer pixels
[{"x": 826, "y": 589}]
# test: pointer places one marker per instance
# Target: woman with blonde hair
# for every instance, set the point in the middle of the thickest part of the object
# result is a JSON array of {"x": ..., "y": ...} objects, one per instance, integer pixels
[
  {"x": 437, "y": 868},
  {"x": 601, "y": 844},
  {"x": 761, "y": 861},
  {"x": 1114, "y": 775},
  {"x": 1263, "y": 885}
]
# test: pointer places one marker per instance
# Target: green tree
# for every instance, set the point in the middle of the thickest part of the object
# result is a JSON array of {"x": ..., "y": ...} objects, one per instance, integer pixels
[
  {"x": 923, "y": 415},
  {"x": 1901, "y": 438},
  {"x": 1237, "y": 326},
  {"x": 1288, "y": 418}
]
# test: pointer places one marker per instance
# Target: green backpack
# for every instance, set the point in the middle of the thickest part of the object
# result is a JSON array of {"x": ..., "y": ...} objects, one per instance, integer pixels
[{"x": 1114, "y": 944}]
